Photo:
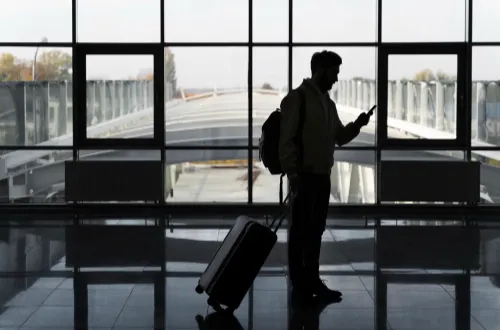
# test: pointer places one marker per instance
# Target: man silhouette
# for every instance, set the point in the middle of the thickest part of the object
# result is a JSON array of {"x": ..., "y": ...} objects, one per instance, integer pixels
[{"x": 308, "y": 169}]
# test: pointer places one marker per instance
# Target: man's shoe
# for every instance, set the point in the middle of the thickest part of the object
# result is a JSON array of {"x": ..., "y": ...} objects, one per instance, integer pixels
[
  {"x": 322, "y": 291},
  {"x": 320, "y": 303}
]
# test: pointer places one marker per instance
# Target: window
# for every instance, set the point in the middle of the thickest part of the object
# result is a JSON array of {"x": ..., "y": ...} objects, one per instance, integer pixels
[
  {"x": 118, "y": 21},
  {"x": 334, "y": 21},
  {"x": 484, "y": 21},
  {"x": 417, "y": 20},
  {"x": 117, "y": 87},
  {"x": 36, "y": 21},
  {"x": 206, "y": 21},
  {"x": 421, "y": 90},
  {"x": 485, "y": 97},
  {"x": 34, "y": 176},
  {"x": 210, "y": 175},
  {"x": 210, "y": 94},
  {"x": 270, "y": 21},
  {"x": 35, "y": 100}
]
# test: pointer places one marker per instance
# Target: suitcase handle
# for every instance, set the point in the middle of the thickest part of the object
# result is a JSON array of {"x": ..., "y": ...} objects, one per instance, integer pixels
[{"x": 279, "y": 219}]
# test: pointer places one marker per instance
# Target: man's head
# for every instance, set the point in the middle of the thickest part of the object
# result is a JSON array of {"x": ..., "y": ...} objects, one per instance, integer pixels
[{"x": 325, "y": 67}]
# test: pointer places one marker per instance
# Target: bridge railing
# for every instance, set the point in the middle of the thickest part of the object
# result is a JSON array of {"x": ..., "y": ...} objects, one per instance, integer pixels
[
  {"x": 32, "y": 113},
  {"x": 429, "y": 104}
]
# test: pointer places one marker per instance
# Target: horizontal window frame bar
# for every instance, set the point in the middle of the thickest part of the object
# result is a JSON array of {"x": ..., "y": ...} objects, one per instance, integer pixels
[
  {"x": 110, "y": 44},
  {"x": 422, "y": 147},
  {"x": 492, "y": 148},
  {"x": 86, "y": 211},
  {"x": 485, "y": 43},
  {"x": 26, "y": 44},
  {"x": 113, "y": 143},
  {"x": 145, "y": 146},
  {"x": 35, "y": 147},
  {"x": 66, "y": 274}
]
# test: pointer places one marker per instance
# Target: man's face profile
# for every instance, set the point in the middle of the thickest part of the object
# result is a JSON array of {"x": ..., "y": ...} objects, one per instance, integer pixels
[{"x": 330, "y": 77}]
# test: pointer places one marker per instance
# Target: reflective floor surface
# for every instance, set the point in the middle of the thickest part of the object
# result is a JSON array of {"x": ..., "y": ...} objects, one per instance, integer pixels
[{"x": 112, "y": 298}]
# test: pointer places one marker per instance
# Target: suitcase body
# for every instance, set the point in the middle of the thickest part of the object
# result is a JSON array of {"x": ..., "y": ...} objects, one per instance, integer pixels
[{"x": 237, "y": 263}]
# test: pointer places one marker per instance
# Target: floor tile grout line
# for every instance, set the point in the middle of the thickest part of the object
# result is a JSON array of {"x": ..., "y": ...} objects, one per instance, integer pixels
[
  {"x": 480, "y": 324},
  {"x": 29, "y": 317},
  {"x": 340, "y": 251},
  {"x": 123, "y": 307}
]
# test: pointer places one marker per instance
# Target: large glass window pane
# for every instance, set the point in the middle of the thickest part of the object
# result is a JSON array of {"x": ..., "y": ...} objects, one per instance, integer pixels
[
  {"x": 213, "y": 107},
  {"x": 422, "y": 96},
  {"x": 490, "y": 174},
  {"x": 484, "y": 21},
  {"x": 270, "y": 70},
  {"x": 485, "y": 97},
  {"x": 356, "y": 89},
  {"x": 334, "y": 21},
  {"x": 36, "y": 21},
  {"x": 353, "y": 177},
  {"x": 33, "y": 176},
  {"x": 417, "y": 20},
  {"x": 270, "y": 80},
  {"x": 485, "y": 127},
  {"x": 120, "y": 96},
  {"x": 35, "y": 100},
  {"x": 270, "y": 21},
  {"x": 118, "y": 21},
  {"x": 209, "y": 175},
  {"x": 206, "y": 21}
]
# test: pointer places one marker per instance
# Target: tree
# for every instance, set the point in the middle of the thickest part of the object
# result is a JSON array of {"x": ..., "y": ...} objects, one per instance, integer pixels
[
  {"x": 267, "y": 86},
  {"x": 10, "y": 67},
  {"x": 53, "y": 65},
  {"x": 170, "y": 73},
  {"x": 441, "y": 76},
  {"x": 425, "y": 75}
]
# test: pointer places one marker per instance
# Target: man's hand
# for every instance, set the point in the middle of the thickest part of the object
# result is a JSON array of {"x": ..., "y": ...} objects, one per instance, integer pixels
[{"x": 363, "y": 119}]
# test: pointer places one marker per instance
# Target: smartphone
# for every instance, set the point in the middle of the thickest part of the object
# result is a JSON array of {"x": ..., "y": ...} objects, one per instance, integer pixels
[{"x": 370, "y": 112}]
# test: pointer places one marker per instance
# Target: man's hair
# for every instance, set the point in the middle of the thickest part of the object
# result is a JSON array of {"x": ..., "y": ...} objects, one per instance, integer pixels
[{"x": 324, "y": 59}]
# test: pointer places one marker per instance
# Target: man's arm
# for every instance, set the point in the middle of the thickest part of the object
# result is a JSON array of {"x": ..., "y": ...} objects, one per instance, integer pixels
[
  {"x": 288, "y": 131},
  {"x": 347, "y": 133}
]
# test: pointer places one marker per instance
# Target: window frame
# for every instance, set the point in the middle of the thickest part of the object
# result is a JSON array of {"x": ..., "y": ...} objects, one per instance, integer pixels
[
  {"x": 387, "y": 49},
  {"x": 81, "y": 140}
]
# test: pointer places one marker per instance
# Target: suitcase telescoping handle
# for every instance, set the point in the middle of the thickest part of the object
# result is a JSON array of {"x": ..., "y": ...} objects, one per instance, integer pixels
[{"x": 279, "y": 219}]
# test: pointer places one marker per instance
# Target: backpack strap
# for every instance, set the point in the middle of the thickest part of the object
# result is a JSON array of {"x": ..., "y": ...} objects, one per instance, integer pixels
[{"x": 298, "y": 138}]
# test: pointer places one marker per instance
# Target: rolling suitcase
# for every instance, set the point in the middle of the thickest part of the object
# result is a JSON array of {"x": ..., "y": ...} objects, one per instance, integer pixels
[{"x": 237, "y": 262}]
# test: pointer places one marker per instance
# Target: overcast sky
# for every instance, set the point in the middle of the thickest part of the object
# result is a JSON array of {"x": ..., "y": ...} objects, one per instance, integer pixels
[{"x": 227, "y": 20}]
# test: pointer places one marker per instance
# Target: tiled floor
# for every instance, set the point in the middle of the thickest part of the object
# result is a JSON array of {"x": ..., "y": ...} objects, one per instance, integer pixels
[{"x": 49, "y": 303}]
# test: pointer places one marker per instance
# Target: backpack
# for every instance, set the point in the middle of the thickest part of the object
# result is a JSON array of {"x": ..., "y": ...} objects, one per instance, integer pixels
[{"x": 270, "y": 138}]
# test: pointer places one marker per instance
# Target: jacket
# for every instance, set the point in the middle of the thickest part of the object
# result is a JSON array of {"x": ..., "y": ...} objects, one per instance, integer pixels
[{"x": 322, "y": 129}]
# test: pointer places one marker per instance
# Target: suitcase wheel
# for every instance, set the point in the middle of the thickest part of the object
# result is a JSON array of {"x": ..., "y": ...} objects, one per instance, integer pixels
[{"x": 199, "y": 289}]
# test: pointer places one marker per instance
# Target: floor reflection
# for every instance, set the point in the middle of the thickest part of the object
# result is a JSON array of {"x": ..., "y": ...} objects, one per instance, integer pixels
[{"x": 147, "y": 297}]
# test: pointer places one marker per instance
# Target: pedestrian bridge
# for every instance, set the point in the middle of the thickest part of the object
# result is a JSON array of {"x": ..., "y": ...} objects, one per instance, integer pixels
[{"x": 41, "y": 115}]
